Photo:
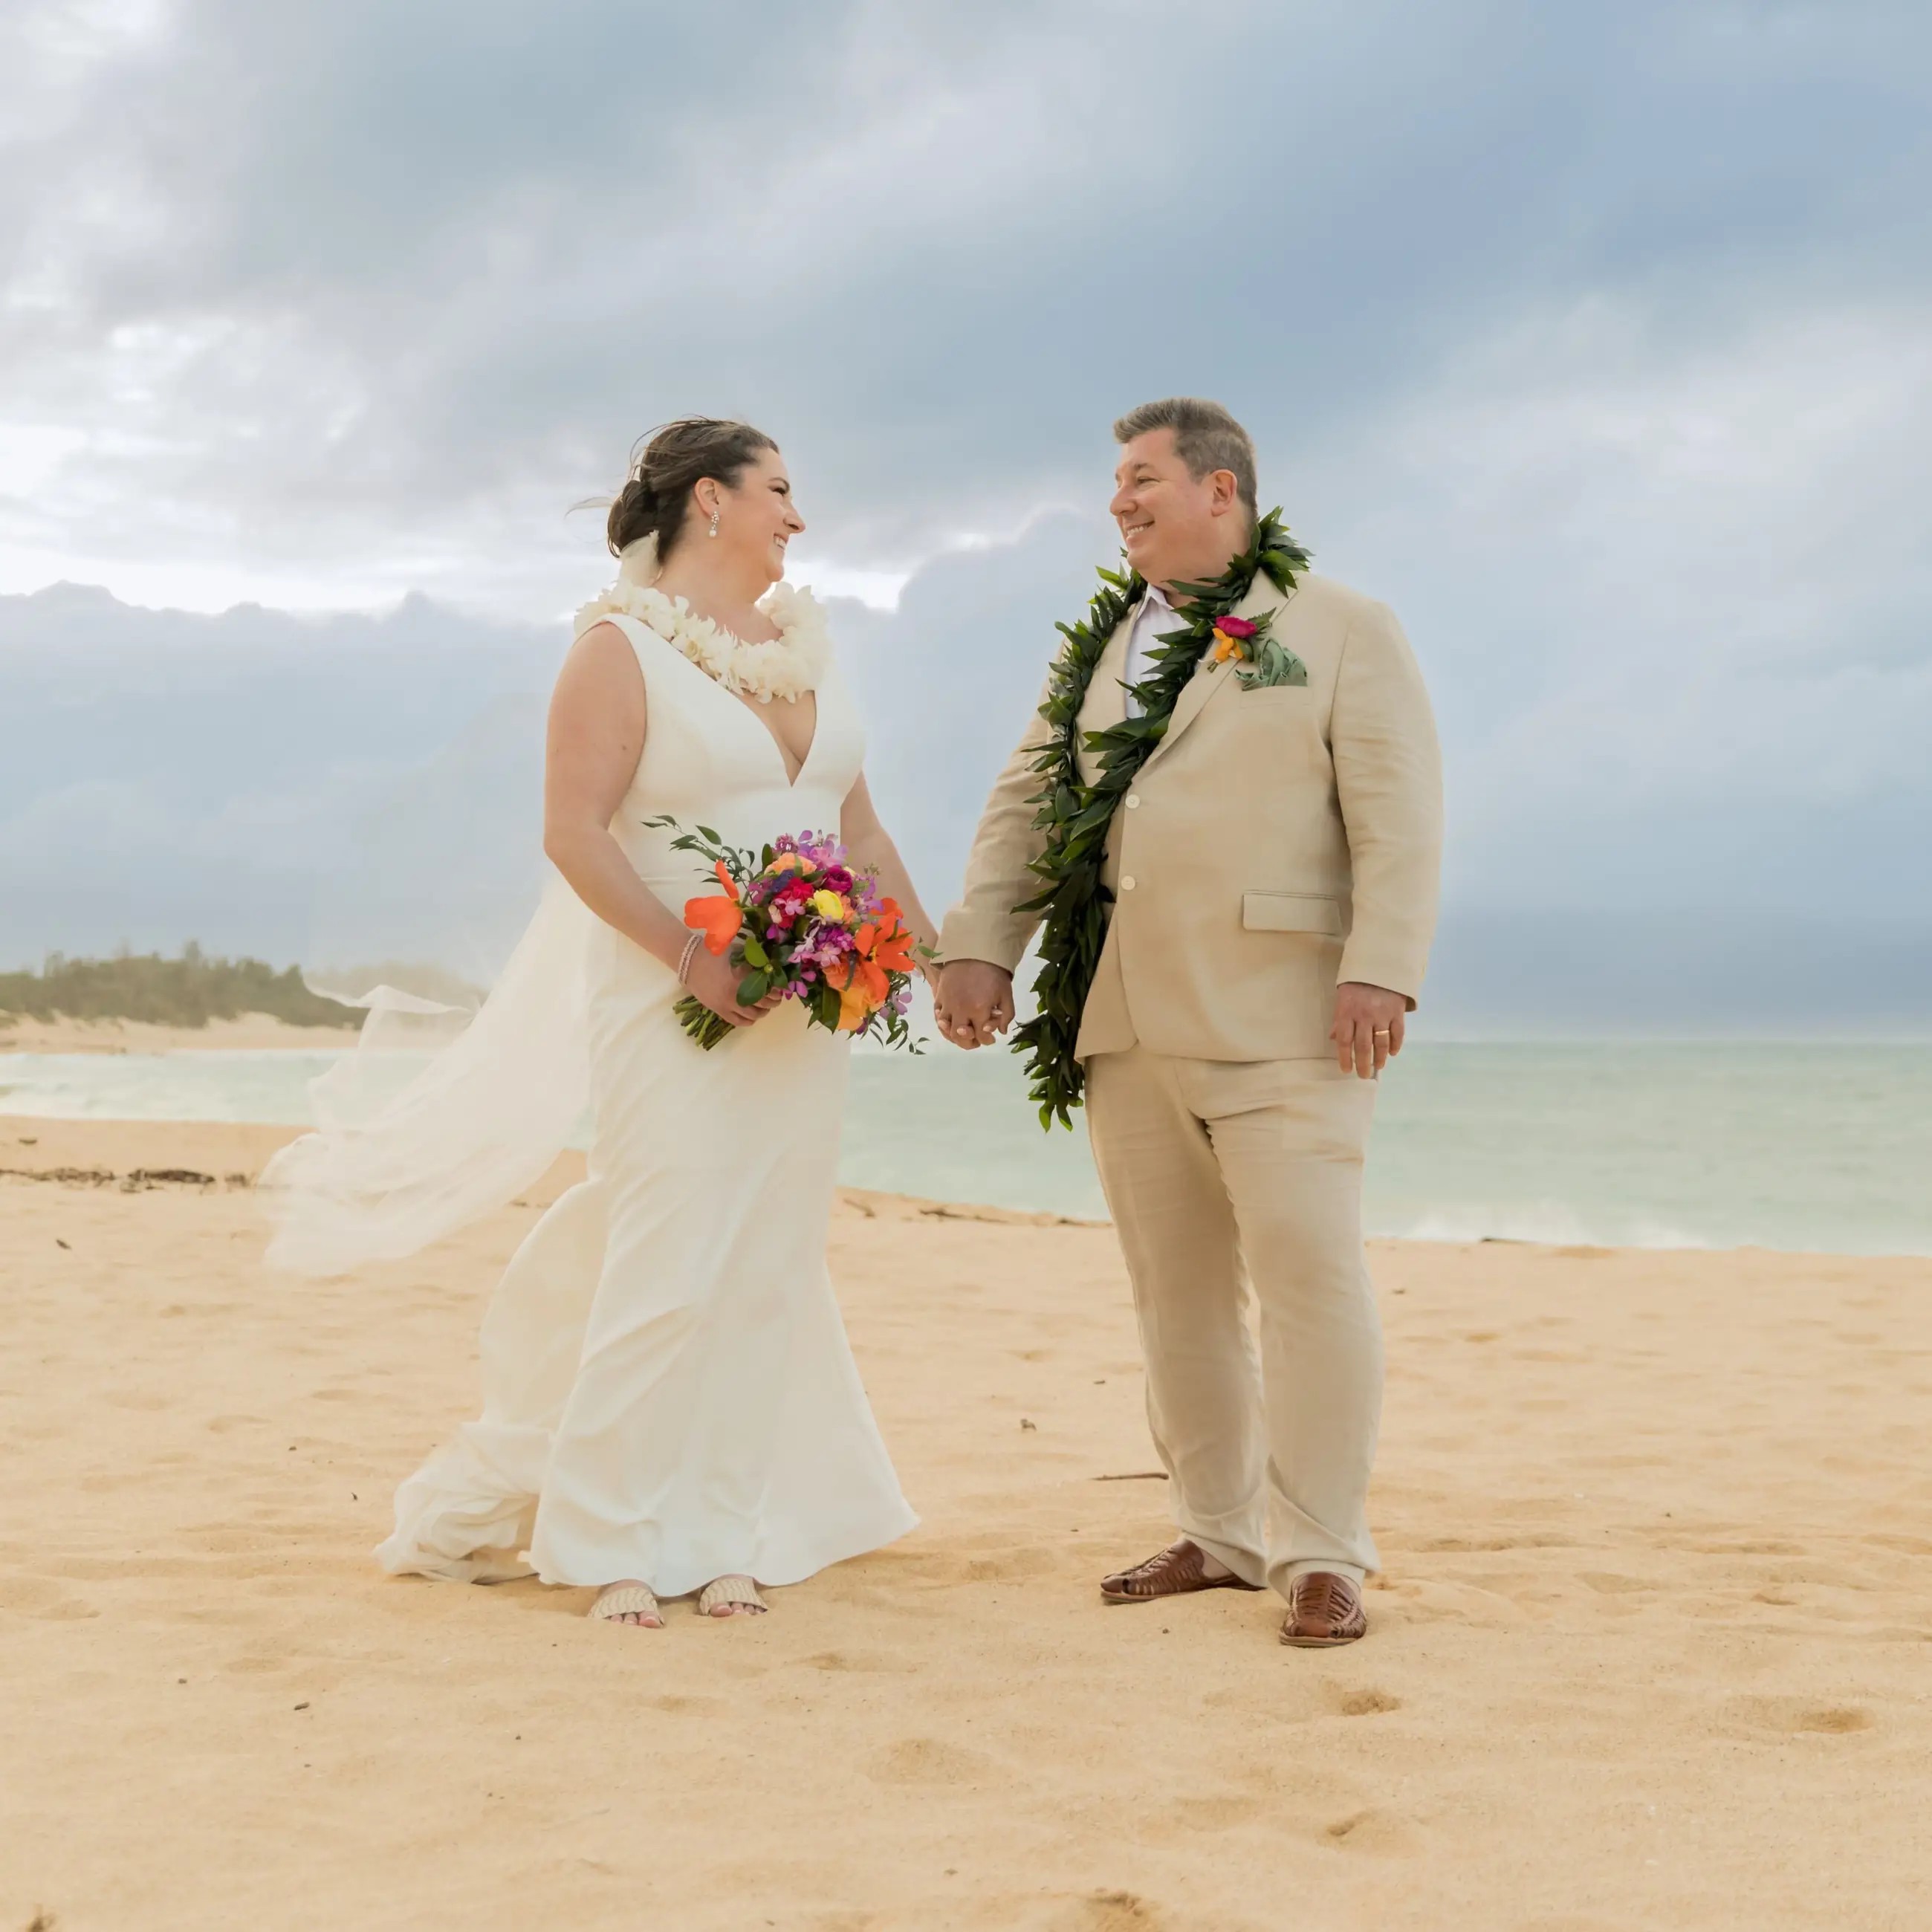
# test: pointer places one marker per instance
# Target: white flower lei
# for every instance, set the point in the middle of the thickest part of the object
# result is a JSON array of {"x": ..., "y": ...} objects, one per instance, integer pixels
[{"x": 791, "y": 663}]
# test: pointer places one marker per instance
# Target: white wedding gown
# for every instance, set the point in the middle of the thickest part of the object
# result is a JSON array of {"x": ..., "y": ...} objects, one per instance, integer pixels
[{"x": 668, "y": 1394}]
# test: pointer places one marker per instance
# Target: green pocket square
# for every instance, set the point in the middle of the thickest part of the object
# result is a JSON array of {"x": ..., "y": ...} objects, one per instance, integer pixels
[{"x": 1274, "y": 664}]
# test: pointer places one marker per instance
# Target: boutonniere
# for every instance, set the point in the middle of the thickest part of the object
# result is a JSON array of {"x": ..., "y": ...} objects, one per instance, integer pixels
[{"x": 1264, "y": 660}]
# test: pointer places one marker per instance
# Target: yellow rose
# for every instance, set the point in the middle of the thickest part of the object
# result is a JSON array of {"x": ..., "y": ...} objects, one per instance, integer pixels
[{"x": 828, "y": 904}]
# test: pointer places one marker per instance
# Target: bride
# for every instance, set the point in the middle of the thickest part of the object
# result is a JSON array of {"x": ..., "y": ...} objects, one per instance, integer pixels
[{"x": 670, "y": 1404}]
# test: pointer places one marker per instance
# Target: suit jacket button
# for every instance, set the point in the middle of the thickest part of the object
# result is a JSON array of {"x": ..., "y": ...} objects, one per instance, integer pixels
[
  {"x": 1126, "y": 885},
  {"x": 1133, "y": 801}
]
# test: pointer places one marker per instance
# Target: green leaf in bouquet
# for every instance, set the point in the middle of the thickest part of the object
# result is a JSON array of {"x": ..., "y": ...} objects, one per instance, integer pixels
[
  {"x": 755, "y": 950},
  {"x": 753, "y": 988}
]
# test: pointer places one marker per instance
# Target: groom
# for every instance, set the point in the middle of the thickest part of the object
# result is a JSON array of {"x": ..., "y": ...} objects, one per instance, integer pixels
[{"x": 1227, "y": 817}]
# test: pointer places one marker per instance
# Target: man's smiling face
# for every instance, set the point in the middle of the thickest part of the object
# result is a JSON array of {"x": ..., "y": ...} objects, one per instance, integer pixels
[{"x": 1172, "y": 524}]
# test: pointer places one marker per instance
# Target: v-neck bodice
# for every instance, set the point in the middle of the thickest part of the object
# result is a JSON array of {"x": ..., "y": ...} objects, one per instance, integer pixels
[
  {"x": 708, "y": 759},
  {"x": 764, "y": 706}
]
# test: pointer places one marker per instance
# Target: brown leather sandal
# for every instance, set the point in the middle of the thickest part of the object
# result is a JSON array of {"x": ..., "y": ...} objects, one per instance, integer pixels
[
  {"x": 1178, "y": 1571},
  {"x": 1324, "y": 1610}
]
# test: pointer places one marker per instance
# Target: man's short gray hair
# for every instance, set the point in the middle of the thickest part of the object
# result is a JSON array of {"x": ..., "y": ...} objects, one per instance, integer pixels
[{"x": 1206, "y": 437}]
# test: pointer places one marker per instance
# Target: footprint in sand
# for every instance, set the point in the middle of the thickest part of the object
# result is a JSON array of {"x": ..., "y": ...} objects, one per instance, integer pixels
[
  {"x": 1607, "y": 1583},
  {"x": 38, "y": 1598},
  {"x": 1762, "y": 1718},
  {"x": 1220, "y": 1813},
  {"x": 932, "y": 1761},
  {"x": 678, "y": 1705},
  {"x": 1108, "y": 1911},
  {"x": 1366, "y": 1703},
  {"x": 1382, "y": 1833},
  {"x": 1015, "y": 1566},
  {"x": 865, "y": 1663}
]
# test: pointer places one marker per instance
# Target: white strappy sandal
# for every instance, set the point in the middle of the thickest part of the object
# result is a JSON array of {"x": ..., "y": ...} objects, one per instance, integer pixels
[
  {"x": 627, "y": 1600},
  {"x": 740, "y": 1591}
]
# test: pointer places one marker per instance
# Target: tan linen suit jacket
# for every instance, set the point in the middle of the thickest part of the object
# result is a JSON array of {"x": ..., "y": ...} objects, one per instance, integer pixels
[{"x": 1276, "y": 842}]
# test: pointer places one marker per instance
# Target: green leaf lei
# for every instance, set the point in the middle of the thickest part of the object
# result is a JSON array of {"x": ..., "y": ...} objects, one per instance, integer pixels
[{"x": 1076, "y": 816}]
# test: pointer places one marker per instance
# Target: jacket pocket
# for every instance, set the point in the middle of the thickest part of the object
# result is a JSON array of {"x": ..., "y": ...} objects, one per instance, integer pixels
[{"x": 1292, "y": 912}]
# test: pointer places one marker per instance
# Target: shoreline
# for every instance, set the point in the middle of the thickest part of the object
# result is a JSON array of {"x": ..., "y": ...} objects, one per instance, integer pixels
[
  {"x": 66, "y": 1150},
  {"x": 264, "y": 1033}
]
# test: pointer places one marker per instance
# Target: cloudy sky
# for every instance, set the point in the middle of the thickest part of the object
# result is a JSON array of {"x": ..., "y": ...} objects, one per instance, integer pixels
[{"x": 1597, "y": 341}]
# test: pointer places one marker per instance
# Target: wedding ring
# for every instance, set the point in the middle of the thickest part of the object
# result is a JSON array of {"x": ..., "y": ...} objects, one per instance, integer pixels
[{"x": 1379, "y": 1033}]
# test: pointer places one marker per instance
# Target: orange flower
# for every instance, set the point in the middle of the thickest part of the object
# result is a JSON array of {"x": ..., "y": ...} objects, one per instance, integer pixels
[
  {"x": 718, "y": 919},
  {"x": 892, "y": 944},
  {"x": 880, "y": 946},
  {"x": 1231, "y": 637},
  {"x": 862, "y": 987},
  {"x": 856, "y": 1005}
]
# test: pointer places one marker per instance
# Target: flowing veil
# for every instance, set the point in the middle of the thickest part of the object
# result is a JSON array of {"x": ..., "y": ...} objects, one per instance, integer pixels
[{"x": 386, "y": 1172}]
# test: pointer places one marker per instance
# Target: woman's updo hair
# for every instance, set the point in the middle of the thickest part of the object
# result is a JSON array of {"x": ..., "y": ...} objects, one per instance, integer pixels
[{"x": 656, "y": 496}]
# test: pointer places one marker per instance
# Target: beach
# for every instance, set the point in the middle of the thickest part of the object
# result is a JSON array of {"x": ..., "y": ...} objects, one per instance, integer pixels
[
  {"x": 248, "y": 1033},
  {"x": 1651, "y": 1648}
]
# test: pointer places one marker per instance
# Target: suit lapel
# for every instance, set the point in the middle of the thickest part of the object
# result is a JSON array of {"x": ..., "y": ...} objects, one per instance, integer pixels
[{"x": 1210, "y": 679}]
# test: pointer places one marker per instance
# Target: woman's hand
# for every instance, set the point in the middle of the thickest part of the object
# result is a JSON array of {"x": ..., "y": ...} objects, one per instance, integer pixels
[{"x": 714, "y": 978}]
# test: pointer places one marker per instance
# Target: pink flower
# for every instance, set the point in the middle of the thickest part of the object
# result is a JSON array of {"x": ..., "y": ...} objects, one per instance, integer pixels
[{"x": 1235, "y": 627}]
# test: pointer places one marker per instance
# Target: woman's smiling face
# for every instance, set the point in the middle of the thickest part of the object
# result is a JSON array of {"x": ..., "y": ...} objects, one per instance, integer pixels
[{"x": 756, "y": 518}]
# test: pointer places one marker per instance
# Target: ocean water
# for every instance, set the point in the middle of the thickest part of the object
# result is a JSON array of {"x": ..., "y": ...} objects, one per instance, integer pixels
[{"x": 1824, "y": 1147}]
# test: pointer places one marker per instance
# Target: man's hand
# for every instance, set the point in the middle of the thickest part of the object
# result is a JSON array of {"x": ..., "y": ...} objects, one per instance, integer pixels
[
  {"x": 1367, "y": 1032},
  {"x": 974, "y": 1002}
]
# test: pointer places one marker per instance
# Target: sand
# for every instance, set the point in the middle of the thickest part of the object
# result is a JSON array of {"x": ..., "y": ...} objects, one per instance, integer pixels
[
  {"x": 1653, "y": 1649},
  {"x": 251, "y": 1032}
]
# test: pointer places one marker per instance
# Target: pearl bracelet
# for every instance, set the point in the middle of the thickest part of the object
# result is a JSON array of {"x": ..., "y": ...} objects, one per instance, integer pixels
[{"x": 691, "y": 946}]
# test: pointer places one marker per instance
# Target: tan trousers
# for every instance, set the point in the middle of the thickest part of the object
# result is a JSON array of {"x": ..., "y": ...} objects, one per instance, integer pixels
[{"x": 1224, "y": 1178}]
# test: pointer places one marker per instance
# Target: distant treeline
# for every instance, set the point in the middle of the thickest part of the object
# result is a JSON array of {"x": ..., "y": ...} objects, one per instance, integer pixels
[{"x": 188, "y": 992}]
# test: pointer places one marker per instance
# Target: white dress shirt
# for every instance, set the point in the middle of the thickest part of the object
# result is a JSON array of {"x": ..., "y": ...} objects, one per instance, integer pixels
[{"x": 1155, "y": 616}]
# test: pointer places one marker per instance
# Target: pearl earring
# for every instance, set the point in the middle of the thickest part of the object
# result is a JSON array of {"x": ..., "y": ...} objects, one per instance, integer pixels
[{"x": 714, "y": 523}]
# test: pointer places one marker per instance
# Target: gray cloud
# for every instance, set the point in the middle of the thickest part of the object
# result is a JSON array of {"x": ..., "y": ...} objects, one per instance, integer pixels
[
  {"x": 383, "y": 289},
  {"x": 1594, "y": 342}
]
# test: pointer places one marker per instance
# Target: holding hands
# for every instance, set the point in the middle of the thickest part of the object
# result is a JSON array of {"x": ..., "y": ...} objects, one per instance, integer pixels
[{"x": 973, "y": 1002}]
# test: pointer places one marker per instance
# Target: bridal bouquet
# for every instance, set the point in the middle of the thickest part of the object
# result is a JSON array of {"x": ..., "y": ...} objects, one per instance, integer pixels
[{"x": 799, "y": 922}]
